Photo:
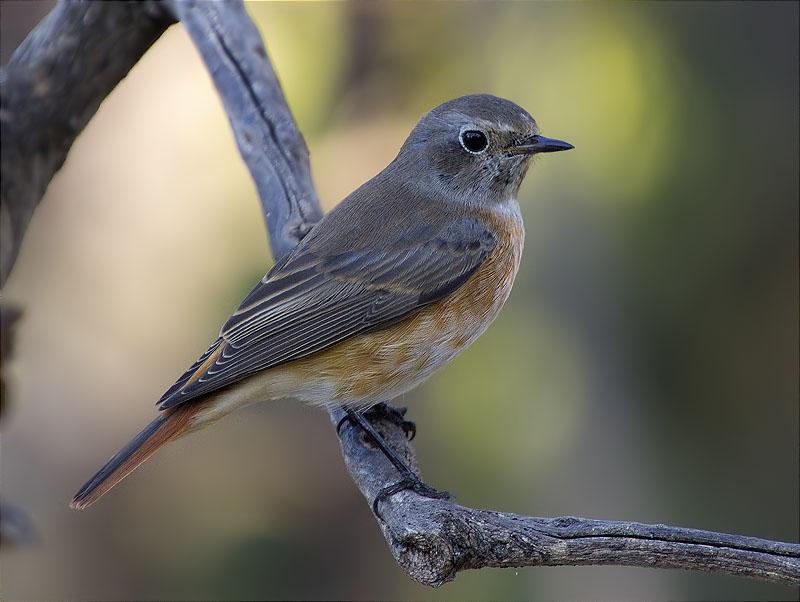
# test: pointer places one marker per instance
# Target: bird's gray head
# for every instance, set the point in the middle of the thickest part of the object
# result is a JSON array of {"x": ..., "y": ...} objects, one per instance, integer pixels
[{"x": 474, "y": 147}]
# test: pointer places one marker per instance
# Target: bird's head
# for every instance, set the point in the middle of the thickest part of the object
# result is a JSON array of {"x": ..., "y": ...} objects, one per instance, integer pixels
[{"x": 474, "y": 147}]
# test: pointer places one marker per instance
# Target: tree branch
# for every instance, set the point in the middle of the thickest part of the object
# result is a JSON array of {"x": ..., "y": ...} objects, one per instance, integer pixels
[
  {"x": 431, "y": 539},
  {"x": 51, "y": 87}
]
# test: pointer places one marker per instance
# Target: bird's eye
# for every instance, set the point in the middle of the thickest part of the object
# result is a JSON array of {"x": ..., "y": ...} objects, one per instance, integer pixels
[{"x": 474, "y": 141}]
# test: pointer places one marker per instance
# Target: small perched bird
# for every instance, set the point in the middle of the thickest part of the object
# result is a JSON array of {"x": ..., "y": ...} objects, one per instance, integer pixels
[{"x": 393, "y": 283}]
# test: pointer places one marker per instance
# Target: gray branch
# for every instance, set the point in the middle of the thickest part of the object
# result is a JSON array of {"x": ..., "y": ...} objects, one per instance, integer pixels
[
  {"x": 51, "y": 87},
  {"x": 431, "y": 539}
]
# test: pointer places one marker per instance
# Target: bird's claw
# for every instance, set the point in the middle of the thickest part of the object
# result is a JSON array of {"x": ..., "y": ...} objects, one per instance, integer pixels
[
  {"x": 395, "y": 416},
  {"x": 384, "y": 411},
  {"x": 414, "y": 484}
]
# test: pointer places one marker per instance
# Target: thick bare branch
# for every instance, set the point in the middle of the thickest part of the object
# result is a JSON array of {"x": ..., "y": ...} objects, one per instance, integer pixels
[
  {"x": 51, "y": 87},
  {"x": 431, "y": 539}
]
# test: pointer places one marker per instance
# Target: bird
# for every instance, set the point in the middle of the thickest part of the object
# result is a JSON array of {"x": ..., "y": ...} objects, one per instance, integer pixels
[{"x": 389, "y": 286}]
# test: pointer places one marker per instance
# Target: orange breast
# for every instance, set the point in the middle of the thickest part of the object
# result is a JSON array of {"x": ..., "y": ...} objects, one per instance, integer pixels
[{"x": 383, "y": 364}]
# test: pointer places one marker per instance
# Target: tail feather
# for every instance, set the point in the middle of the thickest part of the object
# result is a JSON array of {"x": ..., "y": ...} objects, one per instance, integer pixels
[{"x": 165, "y": 428}]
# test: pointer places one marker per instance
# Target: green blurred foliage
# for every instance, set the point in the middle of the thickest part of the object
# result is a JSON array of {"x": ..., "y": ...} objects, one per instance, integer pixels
[{"x": 645, "y": 367}]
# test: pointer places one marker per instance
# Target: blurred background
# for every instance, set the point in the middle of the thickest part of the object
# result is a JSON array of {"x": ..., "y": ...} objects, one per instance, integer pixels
[{"x": 645, "y": 367}]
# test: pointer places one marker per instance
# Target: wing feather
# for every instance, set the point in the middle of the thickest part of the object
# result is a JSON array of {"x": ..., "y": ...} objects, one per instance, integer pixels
[{"x": 314, "y": 300}]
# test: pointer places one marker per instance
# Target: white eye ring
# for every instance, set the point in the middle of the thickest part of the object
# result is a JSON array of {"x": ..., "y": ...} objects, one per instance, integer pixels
[{"x": 473, "y": 141}]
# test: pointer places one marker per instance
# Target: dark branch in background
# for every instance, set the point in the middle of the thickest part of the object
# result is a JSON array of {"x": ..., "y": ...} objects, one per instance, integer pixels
[
  {"x": 51, "y": 87},
  {"x": 431, "y": 539}
]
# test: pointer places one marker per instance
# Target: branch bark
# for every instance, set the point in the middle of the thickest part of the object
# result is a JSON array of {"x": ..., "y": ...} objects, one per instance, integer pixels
[
  {"x": 431, "y": 539},
  {"x": 51, "y": 87}
]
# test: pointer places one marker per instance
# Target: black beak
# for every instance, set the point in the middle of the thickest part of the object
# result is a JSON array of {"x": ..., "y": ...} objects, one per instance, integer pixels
[{"x": 540, "y": 144}]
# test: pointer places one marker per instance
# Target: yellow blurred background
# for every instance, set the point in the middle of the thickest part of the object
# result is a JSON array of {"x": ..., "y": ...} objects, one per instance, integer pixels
[{"x": 645, "y": 367}]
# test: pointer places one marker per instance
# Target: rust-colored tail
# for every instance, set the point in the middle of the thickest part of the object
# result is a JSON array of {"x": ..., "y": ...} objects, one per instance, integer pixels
[{"x": 161, "y": 431}]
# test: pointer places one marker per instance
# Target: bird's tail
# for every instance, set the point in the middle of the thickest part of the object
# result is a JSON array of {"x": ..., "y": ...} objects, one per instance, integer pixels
[{"x": 169, "y": 425}]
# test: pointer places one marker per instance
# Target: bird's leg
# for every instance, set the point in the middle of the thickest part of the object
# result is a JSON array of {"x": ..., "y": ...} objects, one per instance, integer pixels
[{"x": 409, "y": 479}]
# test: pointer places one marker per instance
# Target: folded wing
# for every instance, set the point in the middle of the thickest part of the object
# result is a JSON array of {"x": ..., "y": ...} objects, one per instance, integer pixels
[{"x": 313, "y": 300}]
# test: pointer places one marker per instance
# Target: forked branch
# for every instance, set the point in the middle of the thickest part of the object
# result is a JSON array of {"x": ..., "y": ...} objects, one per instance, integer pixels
[{"x": 431, "y": 539}]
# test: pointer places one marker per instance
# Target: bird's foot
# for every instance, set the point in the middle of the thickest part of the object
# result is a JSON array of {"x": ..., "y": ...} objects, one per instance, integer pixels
[
  {"x": 412, "y": 483},
  {"x": 394, "y": 415},
  {"x": 408, "y": 478},
  {"x": 383, "y": 411}
]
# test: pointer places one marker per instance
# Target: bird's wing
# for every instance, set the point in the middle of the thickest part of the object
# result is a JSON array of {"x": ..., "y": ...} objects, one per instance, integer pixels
[{"x": 311, "y": 301}]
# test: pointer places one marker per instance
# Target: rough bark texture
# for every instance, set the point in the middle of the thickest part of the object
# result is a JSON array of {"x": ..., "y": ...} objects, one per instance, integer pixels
[
  {"x": 431, "y": 539},
  {"x": 434, "y": 539},
  {"x": 51, "y": 87}
]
